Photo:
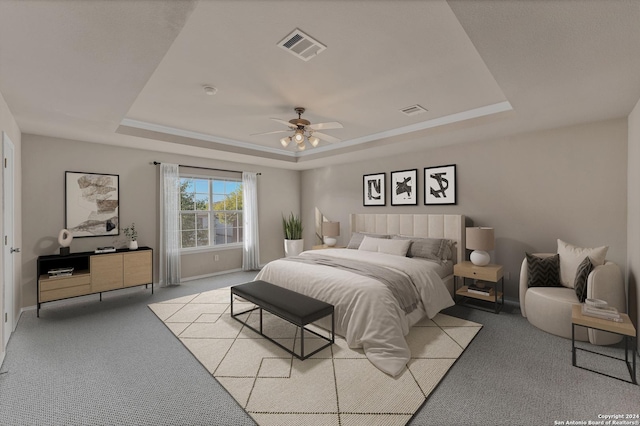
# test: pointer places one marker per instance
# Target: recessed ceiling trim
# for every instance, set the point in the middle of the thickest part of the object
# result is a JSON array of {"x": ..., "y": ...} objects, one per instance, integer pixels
[
  {"x": 201, "y": 136},
  {"x": 440, "y": 121}
]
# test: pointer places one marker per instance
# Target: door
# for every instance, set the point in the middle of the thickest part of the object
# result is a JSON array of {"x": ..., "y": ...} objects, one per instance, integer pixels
[{"x": 7, "y": 255}]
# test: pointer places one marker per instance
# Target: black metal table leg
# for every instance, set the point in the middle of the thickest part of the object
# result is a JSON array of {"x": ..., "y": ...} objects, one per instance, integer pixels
[{"x": 573, "y": 344}]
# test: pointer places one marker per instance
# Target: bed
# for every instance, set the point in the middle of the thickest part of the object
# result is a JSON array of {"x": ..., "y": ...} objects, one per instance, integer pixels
[{"x": 376, "y": 305}]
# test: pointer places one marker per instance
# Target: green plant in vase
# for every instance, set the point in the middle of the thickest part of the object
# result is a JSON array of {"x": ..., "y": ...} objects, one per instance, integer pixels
[
  {"x": 293, "y": 243},
  {"x": 132, "y": 235}
]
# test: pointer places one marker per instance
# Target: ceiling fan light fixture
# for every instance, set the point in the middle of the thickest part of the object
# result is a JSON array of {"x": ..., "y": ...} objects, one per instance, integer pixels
[
  {"x": 299, "y": 136},
  {"x": 313, "y": 141},
  {"x": 301, "y": 146},
  {"x": 285, "y": 141}
]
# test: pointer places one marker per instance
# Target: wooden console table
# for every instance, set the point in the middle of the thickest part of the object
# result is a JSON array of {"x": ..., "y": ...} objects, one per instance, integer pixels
[{"x": 93, "y": 273}]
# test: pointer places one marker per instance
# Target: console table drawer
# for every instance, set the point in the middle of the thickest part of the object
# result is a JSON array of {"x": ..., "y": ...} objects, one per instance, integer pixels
[
  {"x": 48, "y": 284},
  {"x": 63, "y": 293}
]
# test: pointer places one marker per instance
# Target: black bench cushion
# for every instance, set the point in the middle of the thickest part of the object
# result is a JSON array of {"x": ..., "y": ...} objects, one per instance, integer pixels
[{"x": 294, "y": 307}]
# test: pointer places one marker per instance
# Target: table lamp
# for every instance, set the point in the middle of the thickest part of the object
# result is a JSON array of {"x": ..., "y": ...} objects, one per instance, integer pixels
[
  {"x": 480, "y": 240},
  {"x": 330, "y": 230}
]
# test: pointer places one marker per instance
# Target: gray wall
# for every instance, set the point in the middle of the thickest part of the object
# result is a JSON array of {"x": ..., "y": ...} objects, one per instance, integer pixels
[
  {"x": 568, "y": 183},
  {"x": 45, "y": 160}
]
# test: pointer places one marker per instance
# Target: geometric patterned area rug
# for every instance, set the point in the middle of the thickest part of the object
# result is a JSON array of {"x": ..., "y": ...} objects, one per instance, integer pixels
[{"x": 336, "y": 386}]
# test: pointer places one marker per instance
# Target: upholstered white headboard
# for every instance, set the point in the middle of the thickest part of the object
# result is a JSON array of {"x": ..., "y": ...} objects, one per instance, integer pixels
[{"x": 450, "y": 226}]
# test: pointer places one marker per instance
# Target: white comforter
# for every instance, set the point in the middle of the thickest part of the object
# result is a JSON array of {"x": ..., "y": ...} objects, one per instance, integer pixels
[{"x": 366, "y": 313}]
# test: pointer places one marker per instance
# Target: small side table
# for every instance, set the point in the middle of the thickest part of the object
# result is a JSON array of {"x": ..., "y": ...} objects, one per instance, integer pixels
[
  {"x": 491, "y": 273},
  {"x": 324, "y": 246},
  {"x": 624, "y": 328}
]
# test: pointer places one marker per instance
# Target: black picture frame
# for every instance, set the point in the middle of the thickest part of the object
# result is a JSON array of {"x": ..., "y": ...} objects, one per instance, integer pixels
[
  {"x": 440, "y": 186},
  {"x": 404, "y": 187},
  {"x": 374, "y": 190},
  {"x": 92, "y": 204}
]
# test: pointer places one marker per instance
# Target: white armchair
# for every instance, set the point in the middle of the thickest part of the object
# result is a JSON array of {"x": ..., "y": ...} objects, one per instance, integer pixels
[{"x": 549, "y": 308}]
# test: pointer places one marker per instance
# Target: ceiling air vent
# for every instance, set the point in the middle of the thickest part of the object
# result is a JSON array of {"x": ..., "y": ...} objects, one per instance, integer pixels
[
  {"x": 301, "y": 45},
  {"x": 413, "y": 110}
]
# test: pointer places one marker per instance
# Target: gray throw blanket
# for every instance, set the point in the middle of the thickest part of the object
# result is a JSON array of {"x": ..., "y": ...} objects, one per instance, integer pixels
[{"x": 401, "y": 286}]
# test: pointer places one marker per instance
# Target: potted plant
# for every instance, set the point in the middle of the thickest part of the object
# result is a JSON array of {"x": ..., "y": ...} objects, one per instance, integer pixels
[
  {"x": 132, "y": 234},
  {"x": 293, "y": 242}
]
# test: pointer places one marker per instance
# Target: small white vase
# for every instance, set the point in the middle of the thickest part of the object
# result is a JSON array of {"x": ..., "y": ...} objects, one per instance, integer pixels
[
  {"x": 293, "y": 247},
  {"x": 133, "y": 245}
]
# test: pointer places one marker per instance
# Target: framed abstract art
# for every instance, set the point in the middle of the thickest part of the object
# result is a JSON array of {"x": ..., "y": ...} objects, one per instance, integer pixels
[
  {"x": 92, "y": 204},
  {"x": 440, "y": 185},
  {"x": 373, "y": 190},
  {"x": 404, "y": 188}
]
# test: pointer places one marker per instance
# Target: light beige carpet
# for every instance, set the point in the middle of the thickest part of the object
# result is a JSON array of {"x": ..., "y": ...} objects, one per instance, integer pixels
[{"x": 336, "y": 386}]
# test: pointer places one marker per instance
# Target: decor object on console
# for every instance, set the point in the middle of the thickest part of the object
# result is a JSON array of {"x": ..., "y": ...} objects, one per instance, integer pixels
[
  {"x": 330, "y": 230},
  {"x": 132, "y": 234},
  {"x": 480, "y": 240},
  {"x": 404, "y": 188},
  {"x": 64, "y": 239},
  {"x": 550, "y": 308},
  {"x": 293, "y": 242},
  {"x": 373, "y": 190},
  {"x": 304, "y": 131},
  {"x": 440, "y": 185},
  {"x": 92, "y": 204}
]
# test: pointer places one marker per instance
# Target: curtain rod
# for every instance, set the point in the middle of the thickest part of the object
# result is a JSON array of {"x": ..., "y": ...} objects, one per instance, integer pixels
[{"x": 156, "y": 163}]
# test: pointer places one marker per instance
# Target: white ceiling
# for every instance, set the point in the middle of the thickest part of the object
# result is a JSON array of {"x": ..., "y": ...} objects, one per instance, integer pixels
[{"x": 131, "y": 73}]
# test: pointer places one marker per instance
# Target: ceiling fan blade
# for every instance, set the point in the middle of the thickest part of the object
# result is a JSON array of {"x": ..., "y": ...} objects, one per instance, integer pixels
[
  {"x": 286, "y": 123},
  {"x": 324, "y": 137},
  {"x": 270, "y": 133},
  {"x": 326, "y": 126}
]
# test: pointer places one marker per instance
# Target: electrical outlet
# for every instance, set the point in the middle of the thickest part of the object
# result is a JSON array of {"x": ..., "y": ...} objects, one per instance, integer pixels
[{"x": 216, "y": 257}]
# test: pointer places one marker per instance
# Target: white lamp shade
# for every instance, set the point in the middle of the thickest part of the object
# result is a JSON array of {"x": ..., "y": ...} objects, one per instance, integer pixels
[{"x": 285, "y": 141}]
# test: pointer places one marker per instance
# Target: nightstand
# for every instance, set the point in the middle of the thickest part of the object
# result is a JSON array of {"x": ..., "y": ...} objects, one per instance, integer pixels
[
  {"x": 324, "y": 246},
  {"x": 489, "y": 273}
]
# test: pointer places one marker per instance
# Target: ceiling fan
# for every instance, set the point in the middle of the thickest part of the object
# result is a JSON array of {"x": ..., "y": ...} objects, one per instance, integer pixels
[{"x": 303, "y": 131}]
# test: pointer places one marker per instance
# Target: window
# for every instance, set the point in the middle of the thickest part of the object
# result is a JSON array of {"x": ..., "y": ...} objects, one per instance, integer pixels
[{"x": 210, "y": 212}]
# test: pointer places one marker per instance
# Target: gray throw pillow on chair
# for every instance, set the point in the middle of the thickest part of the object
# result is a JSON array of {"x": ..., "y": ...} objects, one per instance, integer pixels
[
  {"x": 582, "y": 274},
  {"x": 543, "y": 271}
]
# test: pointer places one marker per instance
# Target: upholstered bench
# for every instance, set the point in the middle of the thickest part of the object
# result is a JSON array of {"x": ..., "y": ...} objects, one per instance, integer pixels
[{"x": 296, "y": 308}]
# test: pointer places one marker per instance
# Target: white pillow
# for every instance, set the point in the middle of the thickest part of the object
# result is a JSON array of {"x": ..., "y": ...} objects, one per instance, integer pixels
[
  {"x": 381, "y": 245},
  {"x": 571, "y": 256}
]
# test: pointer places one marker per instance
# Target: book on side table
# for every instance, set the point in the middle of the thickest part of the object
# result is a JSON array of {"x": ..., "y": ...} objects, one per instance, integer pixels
[
  {"x": 604, "y": 312},
  {"x": 486, "y": 291}
]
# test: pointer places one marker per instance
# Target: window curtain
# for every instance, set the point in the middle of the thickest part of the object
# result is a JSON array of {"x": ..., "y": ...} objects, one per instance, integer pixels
[
  {"x": 169, "y": 225},
  {"x": 251, "y": 246}
]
